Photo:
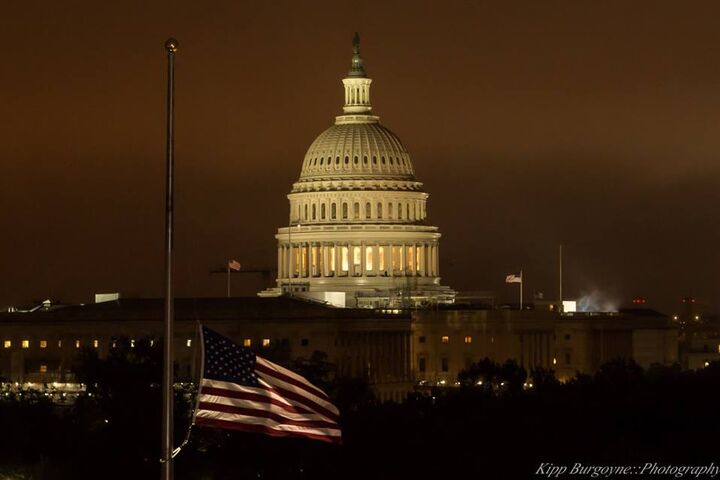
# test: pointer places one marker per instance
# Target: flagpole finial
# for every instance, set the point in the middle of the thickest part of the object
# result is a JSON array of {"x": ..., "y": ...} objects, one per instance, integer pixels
[{"x": 171, "y": 45}]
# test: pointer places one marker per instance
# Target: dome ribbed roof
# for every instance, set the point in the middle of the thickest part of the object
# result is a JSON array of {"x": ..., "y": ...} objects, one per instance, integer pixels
[{"x": 362, "y": 149}]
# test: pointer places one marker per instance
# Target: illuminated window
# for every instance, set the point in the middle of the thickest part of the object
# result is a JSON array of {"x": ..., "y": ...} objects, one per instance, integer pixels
[
  {"x": 468, "y": 339},
  {"x": 114, "y": 343},
  {"x": 43, "y": 343},
  {"x": 554, "y": 361},
  {"x": 59, "y": 343},
  {"x": 152, "y": 343},
  {"x": 43, "y": 368},
  {"x": 368, "y": 258},
  {"x": 26, "y": 344},
  {"x": 188, "y": 342},
  {"x": 7, "y": 344},
  {"x": 96, "y": 343},
  {"x": 265, "y": 342},
  {"x": 247, "y": 342},
  {"x": 132, "y": 343},
  {"x": 445, "y": 339},
  {"x": 356, "y": 210},
  {"x": 77, "y": 343},
  {"x": 344, "y": 258}
]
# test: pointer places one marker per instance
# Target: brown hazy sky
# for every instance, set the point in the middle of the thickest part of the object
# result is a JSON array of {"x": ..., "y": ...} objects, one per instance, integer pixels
[{"x": 591, "y": 123}]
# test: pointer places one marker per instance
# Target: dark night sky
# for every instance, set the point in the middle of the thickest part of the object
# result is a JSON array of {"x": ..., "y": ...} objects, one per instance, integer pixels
[{"x": 532, "y": 123}]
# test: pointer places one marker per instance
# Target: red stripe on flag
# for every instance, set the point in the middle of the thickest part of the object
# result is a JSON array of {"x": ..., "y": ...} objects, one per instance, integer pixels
[
  {"x": 221, "y": 392},
  {"x": 252, "y": 412},
  {"x": 292, "y": 381},
  {"x": 264, "y": 429}
]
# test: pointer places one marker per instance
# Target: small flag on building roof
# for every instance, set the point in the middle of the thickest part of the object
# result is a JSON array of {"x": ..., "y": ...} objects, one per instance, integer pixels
[
  {"x": 514, "y": 278},
  {"x": 234, "y": 265},
  {"x": 240, "y": 390}
]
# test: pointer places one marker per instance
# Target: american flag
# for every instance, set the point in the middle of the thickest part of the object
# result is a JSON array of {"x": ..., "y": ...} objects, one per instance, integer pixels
[
  {"x": 513, "y": 278},
  {"x": 234, "y": 265},
  {"x": 242, "y": 391}
]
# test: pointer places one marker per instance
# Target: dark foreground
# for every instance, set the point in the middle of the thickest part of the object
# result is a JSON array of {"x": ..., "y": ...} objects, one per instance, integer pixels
[{"x": 621, "y": 416}]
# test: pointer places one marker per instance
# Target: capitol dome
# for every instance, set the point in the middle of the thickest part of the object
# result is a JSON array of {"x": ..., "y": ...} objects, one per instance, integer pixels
[{"x": 357, "y": 234}]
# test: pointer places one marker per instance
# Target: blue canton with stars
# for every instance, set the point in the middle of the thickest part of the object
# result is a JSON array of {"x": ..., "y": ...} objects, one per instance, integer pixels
[{"x": 228, "y": 362}]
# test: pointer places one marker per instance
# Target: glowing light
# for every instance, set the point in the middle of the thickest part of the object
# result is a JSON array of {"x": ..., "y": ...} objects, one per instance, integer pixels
[
  {"x": 554, "y": 361},
  {"x": 77, "y": 343},
  {"x": 43, "y": 343},
  {"x": 247, "y": 342},
  {"x": 188, "y": 342},
  {"x": 7, "y": 344},
  {"x": 43, "y": 368},
  {"x": 266, "y": 342},
  {"x": 445, "y": 339},
  {"x": 26, "y": 344},
  {"x": 96, "y": 343},
  {"x": 707, "y": 364},
  {"x": 468, "y": 339}
]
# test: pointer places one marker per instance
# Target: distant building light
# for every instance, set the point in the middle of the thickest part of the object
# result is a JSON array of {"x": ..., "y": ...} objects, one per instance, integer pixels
[
  {"x": 445, "y": 339},
  {"x": 59, "y": 343},
  {"x": 43, "y": 343},
  {"x": 707, "y": 364},
  {"x": 554, "y": 361},
  {"x": 96, "y": 343},
  {"x": 43, "y": 368},
  {"x": 468, "y": 339},
  {"x": 675, "y": 317},
  {"x": 7, "y": 344},
  {"x": 77, "y": 343},
  {"x": 188, "y": 342},
  {"x": 132, "y": 343},
  {"x": 247, "y": 342},
  {"x": 266, "y": 342},
  {"x": 26, "y": 344},
  {"x": 697, "y": 317}
]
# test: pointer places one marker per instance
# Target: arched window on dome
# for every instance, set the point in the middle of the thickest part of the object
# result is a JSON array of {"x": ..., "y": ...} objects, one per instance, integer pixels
[
  {"x": 337, "y": 160},
  {"x": 322, "y": 211},
  {"x": 390, "y": 211},
  {"x": 306, "y": 212},
  {"x": 365, "y": 160},
  {"x": 355, "y": 160},
  {"x": 368, "y": 210},
  {"x": 391, "y": 160},
  {"x": 347, "y": 160},
  {"x": 379, "y": 210},
  {"x": 382, "y": 159},
  {"x": 356, "y": 211},
  {"x": 407, "y": 211},
  {"x": 314, "y": 212},
  {"x": 322, "y": 160},
  {"x": 344, "y": 210},
  {"x": 399, "y": 211},
  {"x": 333, "y": 211},
  {"x": 374, "y": 160}
]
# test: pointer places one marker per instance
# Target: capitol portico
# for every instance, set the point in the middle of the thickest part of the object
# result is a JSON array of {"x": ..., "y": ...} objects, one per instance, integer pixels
[{"x": 357, "y": 234}]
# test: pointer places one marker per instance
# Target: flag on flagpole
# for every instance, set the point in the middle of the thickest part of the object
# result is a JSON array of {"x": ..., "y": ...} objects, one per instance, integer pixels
[
  {"x": 234, "y": 265},
  {"x": 514, "y": 278},
  {"x": 242, "y": 391}
]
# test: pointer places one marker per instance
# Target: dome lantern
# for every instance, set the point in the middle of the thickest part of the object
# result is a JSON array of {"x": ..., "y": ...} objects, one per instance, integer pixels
[{"x": 357, "y": 84}]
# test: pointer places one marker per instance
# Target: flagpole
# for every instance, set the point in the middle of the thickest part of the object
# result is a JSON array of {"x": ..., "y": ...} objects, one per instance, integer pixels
[
  {"x": 560, "y": 307},
  {"x": 521, "y": 287},
  {"x": 166, "y": 472},
  {"x": 228, "y": 280}
]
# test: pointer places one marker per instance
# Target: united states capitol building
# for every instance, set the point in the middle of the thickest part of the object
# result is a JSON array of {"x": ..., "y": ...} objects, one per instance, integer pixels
[
  {"x": 357, "y": 234},
  {"x": 358, "y": 277}
]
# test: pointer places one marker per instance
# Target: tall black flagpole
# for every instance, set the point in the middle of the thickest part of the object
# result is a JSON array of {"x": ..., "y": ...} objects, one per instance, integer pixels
[{"x": 171, "y": 46}]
